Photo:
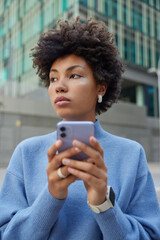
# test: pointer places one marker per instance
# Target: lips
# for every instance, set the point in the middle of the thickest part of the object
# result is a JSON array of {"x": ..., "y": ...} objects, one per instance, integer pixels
[{"x": 61, "y": 101}]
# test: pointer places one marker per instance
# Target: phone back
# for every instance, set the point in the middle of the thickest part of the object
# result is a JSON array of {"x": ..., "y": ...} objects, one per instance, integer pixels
[{"x": 79, "y": 130}]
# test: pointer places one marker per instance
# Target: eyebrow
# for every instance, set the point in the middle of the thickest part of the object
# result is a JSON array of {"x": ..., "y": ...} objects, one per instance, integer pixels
[{"x": 68, "y": 69}]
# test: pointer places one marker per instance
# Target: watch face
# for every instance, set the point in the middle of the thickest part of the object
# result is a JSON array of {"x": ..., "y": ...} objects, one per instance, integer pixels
[{"x": 112, "y": 196}]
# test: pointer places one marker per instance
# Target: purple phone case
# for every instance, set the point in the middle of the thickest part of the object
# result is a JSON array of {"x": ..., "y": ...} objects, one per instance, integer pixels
[{"x": 70, "y": 130}]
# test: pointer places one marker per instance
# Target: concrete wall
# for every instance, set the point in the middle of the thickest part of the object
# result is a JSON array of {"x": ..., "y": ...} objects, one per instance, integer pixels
[{"x": 23, "y": 118}]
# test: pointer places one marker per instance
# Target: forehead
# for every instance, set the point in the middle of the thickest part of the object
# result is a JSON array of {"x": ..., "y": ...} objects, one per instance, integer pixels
[{"x": 69, "y": 60}]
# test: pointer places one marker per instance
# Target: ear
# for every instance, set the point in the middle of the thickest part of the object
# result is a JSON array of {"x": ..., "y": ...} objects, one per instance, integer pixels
[{"x": 101, "y": 89}]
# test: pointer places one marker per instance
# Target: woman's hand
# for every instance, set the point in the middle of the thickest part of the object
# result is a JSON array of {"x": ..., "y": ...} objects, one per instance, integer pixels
[
  {"x": 92, "y": 171},
  {"x": 58, "y": 187}
]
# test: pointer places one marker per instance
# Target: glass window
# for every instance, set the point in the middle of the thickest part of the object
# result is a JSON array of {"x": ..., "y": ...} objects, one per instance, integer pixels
[
  {"x": 141, "y": 54},
  {"x": 41, "y": 20},
  {"x": 106, "y": 7},
  {"x": 128, "y": 93},
  {"x": 124, "y": 14},
  {"x": 133, "y": 51},
  {"x": 149, "y": 99},
  {"x": 5, "y": 75},
  {"x": 127, "y": 49},
  {"x": 96, "y": 5},
  {"x": 156, "y": 29},
  {"x": 64, "y": 4},
  {"x": 140, "y": 22},
  {"x": 1, "y": 31},
  {"x": 148, "y": 27},
  {"x": 84, "y": 2},
  {"x": 19, "y": 39},
  {"x": 23, "y": 65},
  {"x": 115, "y": 10},
  {"x": 5, "y": 52},
  {"x": 149, "y": 58},
  {"x": 37, "y": 25}
]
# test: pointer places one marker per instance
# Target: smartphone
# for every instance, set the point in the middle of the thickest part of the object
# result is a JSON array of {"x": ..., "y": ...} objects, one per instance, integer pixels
[{"x": 79, "y": 130}]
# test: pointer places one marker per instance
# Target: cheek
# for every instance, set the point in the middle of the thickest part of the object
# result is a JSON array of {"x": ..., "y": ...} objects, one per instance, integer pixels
[
  {"x": 51, "y": 95},
  {"x": 86, "y": 94},
  {"x": 50, "y": 91}
]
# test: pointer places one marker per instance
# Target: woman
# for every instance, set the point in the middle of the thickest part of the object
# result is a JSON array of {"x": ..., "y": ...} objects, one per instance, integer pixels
[{"x": 79, "y": 64}]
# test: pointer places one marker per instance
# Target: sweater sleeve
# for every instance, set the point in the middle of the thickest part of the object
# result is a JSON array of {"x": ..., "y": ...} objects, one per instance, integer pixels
[
  {"x": 18, "y": 220},
  {"x": 141, "y": 218}
]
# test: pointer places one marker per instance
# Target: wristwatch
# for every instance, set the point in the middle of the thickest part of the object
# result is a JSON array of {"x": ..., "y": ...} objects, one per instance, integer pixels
[{"x": 109, "y": 203}]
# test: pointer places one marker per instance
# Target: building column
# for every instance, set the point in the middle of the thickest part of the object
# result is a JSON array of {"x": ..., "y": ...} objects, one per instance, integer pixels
[{"x": 140, "y": 96}]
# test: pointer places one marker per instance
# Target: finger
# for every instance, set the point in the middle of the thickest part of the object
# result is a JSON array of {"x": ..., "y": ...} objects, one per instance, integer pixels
[
  {"x": 96, "y": 145},
  {"x": 89, "y": 160},
  {"x": 70, "y": 179},
  {"x": 91, "y": 152},
  {"x": 64, "y": 172},
  {"x": 86, "y": 167},
  {"x": 97, "y": 184},
  {"x": 53, "y": 149},
  {"x": 54, "y": 174},
  {"x": 57, "y": 160}
]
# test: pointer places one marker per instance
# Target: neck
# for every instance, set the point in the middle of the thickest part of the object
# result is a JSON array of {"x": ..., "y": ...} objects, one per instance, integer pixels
[{"x": 93, "y": 119}]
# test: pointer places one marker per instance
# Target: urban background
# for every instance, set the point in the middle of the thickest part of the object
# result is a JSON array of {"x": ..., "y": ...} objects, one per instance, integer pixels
[{"x": 25, "y": 109}]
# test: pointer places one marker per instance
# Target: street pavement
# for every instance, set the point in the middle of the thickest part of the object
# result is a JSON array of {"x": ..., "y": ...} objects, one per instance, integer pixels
[{"x": 154, "y": 168}]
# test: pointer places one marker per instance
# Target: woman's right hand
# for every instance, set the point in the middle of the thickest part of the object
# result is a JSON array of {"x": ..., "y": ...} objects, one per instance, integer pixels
[{"x": 58, "y": 187}]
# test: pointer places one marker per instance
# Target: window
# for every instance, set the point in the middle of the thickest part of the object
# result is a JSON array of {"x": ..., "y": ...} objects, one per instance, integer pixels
[
  {"x": 149, "y": 99},
  {"x": 148, "y": 27},
  {"x": 37, "y": 24},
  {"x": 106, "y": 7},
  {"x": 5, "y": 75},
  {"x": 1, "y": 31},
  {"x": 115, "y": 10},
  {"x": 141, "y": 54},
  {"x": 133, "y": 51},
  {"x": 96, "y": 5},
  {"x": 84, "y": 2},
  {"x": 149, "y": 58},
  {"x": 64, "y": 4},
  {"x": 124, "y": 14},
  {"x": 19, "y": 39}
]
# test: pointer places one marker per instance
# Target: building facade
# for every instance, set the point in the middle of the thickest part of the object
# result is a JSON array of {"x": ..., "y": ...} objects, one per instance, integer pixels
[{"x": 135, "y": 25}]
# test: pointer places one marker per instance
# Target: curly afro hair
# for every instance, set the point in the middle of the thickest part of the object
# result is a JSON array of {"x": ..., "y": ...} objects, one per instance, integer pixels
[{"x": 90, "y": 40}]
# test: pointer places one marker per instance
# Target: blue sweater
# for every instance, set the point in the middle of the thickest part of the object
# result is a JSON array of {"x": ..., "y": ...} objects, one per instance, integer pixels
[{"x": 29, "y": 212}]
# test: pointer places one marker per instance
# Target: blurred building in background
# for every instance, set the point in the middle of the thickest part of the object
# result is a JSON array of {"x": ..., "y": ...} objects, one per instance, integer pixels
[{"x": 24, "y": 104}]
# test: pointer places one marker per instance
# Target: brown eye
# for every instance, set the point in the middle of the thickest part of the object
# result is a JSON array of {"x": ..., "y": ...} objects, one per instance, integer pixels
[
  {"x": 75, "y": 76},
  {"x": 53, "y": 79}
]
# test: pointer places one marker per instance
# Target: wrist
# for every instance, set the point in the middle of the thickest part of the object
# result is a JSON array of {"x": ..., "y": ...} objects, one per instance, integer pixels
[
  {"x": 107, "y": 204},
  {"x": 98, "y": 201}
]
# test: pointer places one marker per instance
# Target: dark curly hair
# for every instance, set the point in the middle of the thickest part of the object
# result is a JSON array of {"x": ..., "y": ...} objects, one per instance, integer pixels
[{"x": 90, "y": 40}]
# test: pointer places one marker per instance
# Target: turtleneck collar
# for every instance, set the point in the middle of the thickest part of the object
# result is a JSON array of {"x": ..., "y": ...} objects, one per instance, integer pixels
[{"x": 99, "y": 132}]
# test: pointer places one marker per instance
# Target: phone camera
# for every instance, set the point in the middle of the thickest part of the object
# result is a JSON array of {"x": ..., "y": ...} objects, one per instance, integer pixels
[
  {"x": 62, "y": 129},
  {"x": 63, "y": 135}
]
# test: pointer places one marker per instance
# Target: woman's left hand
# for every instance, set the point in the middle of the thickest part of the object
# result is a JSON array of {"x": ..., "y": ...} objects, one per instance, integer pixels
[{"x": 92, "y": 171}]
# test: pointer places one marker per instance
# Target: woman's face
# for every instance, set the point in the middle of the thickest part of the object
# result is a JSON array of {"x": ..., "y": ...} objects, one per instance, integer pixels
[{"x": 73, "y": 91}]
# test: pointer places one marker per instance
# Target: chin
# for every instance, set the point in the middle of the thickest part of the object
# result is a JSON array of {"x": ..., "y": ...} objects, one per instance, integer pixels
[
  {"x": 66, "y": 116},
  {"x": 69, "y": 117}
]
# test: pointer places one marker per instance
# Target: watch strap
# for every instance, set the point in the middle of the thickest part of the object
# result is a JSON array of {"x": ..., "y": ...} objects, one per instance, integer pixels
[{"x": 109, "y": 203}]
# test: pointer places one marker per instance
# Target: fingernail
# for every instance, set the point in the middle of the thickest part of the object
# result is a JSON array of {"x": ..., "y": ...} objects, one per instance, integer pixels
[
  {"x": 58, "y": 143},
  {"x": 94, "y": 139},
  {"x": 89, "y": 160},
  {"x": 77, "y": 143},
  {"x": 65, "y": 161},
  {"x": 77, "y": 149},
  {"x": 71, "y": 170}
]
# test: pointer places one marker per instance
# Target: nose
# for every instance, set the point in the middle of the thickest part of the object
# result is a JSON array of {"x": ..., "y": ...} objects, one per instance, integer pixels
[{"x": 61, "y": 87}]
